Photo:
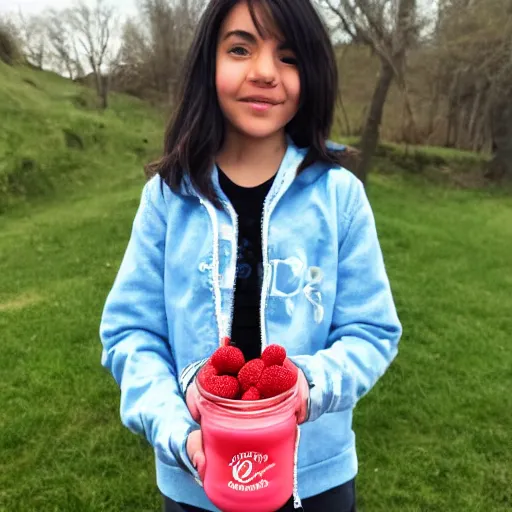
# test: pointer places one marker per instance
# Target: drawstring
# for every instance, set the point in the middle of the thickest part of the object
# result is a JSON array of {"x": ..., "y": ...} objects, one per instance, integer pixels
[{"x": 297, "y": 503}]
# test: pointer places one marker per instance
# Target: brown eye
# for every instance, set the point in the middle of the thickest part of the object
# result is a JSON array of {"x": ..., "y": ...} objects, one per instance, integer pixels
[{"x": 239, "y": 51}]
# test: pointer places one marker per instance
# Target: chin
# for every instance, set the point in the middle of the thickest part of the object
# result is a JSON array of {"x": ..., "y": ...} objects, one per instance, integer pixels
[{"x": 259, "y": 130}]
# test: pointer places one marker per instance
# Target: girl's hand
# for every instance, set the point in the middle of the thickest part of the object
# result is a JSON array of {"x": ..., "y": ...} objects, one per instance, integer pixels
[
  {"x": 195, "y": 449},
  {"x": 195, "y": 452},
  {"x": 303, "y": 398},
  {"x": 191, "y": 399}
]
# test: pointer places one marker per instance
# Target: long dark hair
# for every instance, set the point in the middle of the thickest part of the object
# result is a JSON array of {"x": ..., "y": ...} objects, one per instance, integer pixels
[{"x": 195, "y": 133}]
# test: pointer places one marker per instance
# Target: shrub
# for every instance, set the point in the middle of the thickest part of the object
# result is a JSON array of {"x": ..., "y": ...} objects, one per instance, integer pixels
[{"x": 10, "y": 51}]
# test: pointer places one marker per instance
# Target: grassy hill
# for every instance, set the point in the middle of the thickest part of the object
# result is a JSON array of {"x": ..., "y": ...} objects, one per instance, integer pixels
[
  {"x": 432, "y": 436},
  {"x": 54, "y": 140}
]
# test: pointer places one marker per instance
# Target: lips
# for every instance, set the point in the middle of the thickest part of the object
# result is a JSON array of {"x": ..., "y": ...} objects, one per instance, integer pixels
[{"x": 261, "y": 99}]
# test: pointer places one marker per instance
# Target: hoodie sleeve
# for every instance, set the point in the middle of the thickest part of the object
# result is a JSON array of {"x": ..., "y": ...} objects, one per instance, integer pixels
[
  {"x": 135, "y": 339},
  {"x": 365, "y": 330}
]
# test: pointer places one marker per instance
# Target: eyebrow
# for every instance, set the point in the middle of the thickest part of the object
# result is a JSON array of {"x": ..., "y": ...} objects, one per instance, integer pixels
[{"x": 251, "y": 38}]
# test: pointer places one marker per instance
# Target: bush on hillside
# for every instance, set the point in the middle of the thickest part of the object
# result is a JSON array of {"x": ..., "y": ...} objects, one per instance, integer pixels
[{"x": 10, "y": 51}]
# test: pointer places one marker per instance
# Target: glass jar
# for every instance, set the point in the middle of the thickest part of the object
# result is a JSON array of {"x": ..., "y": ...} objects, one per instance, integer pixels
[{"x": 250, "y": 450}]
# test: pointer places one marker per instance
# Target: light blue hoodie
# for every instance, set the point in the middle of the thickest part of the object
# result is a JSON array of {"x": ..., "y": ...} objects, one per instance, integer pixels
[{"x": 326, "y": 298}]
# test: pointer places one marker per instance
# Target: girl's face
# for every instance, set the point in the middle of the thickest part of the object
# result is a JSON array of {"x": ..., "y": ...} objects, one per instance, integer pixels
[{"x": 257, "y": 80}]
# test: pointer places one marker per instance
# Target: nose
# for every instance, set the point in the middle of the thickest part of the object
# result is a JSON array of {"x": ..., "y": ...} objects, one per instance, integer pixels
[{"x": 263, "y": 70}]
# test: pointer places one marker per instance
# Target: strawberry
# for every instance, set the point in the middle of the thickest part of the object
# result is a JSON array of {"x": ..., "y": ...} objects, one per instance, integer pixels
[
  {"x": 250, "y": 373},
  {"x": 228, "y": 360},
  {"x": 290, "y": 366},
  {"x": 205, "y": 373},
  {"x": 251, "y": 394},
  {"x": 209, "y": 368},
  {"x": 273, "y": 355},
  {"x": 224, "y": 386},
  {"x": 275, "y": 380}
]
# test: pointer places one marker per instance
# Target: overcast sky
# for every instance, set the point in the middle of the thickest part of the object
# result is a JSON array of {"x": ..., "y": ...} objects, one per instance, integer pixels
[
  {"x": 124, "y": 7},
  {"x": 36, "y": 6}
]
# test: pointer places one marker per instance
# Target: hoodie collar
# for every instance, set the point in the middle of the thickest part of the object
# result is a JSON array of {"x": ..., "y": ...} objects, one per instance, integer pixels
[{"x": 285, "y": 175}]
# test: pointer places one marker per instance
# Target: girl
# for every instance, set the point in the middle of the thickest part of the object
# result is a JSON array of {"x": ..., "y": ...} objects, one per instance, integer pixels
[{"x": 252, "y": 231}]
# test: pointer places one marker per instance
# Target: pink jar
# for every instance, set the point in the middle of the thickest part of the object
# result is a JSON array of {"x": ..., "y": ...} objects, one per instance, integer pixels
[{"x": 250, "y": 451}]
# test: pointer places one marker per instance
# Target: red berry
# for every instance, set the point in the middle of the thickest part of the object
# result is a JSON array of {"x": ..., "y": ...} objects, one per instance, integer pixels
[
  {"x": 250, "y": 373},
  {"x": 208, "y": 367},
  {"x": 290, "y": 366},
  {"x": 206, "y": 372},
  {"x": 228, "y": 360},
  {"x": 224, "y": 386},
  {"x": 275, "y": 380},
  {"x": 274, "y": 355},
  {"x": 251, "y": 394}
]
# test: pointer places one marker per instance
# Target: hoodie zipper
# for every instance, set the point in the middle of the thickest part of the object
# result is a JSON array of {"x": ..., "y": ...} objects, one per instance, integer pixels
[
  {"x": 234, "y": 218},
  {"x": 268, "y": 206},
  {"x": 263, "y": 298},
  {"x": 215, "y": 267}
]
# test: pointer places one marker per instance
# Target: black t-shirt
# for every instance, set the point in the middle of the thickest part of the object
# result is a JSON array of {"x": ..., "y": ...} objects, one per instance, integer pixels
[{"x": 248, "y": 204}]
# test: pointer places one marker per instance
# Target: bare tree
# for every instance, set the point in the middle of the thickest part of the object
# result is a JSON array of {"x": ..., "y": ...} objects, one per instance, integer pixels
[
  {"x": 63, "y": 45},
  {"x": 388, "y": 27},
  {"x": 475, "y": 51},
  {"x": 154, "y": 45},
  {"x": 93, "y": 28},
  {"x": 31, "y": 33},
  {"x": 341, "y": 117}
]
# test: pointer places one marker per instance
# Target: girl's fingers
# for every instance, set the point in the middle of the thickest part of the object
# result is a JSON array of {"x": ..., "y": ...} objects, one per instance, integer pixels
[
  {"x": 303, "y": 398},
  {"x": 195, "y": 448},
  {"x": 191, "y": 399},
  {"x": 200, "y": 464}
]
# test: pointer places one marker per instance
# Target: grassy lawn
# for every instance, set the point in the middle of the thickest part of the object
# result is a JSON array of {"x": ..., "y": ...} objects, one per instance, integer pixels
[{"x": 434, "y": 435}]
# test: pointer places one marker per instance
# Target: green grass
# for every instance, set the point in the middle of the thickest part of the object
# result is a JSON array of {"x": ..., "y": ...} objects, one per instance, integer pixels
[
  {"x": 434, "y": 435},
  {"x": 53, "y": 136}
]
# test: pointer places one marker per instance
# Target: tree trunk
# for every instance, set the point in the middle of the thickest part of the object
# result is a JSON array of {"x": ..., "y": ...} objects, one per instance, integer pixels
[
  {"x": 105, "y": 86},
  {"x": 434, "y": 107},
  {"x": 348, "y": 129},
  {"x": 500, "y": 167},
  {"x": 452, "y": 106},
  {"x": 475, "y": 112},
  {"x": 371, "y": 131},
  {"x": 409, "y": 130},
  {"x": 461, "y": 134},
  {"x": 69, "y": 68}
]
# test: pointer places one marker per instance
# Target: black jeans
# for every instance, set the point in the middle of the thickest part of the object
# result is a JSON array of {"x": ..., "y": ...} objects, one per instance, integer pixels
[{"x": 339, "y": 499}]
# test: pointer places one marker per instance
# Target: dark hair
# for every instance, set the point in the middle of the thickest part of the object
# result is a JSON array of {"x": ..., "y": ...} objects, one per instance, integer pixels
[{"x": 195, "y": 134}]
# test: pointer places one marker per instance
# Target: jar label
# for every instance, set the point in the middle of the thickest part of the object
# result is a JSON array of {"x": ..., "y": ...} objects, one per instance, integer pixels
[{"x": 248, "y": 469}]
